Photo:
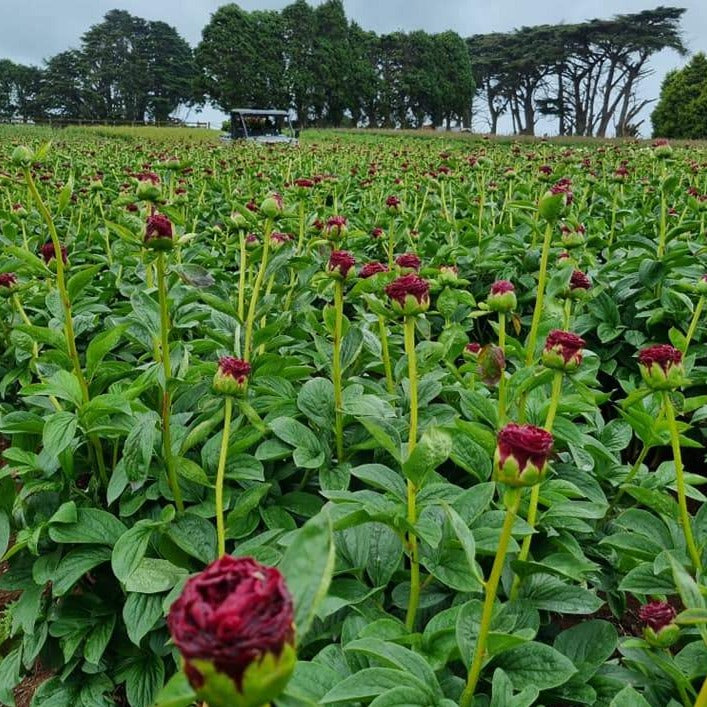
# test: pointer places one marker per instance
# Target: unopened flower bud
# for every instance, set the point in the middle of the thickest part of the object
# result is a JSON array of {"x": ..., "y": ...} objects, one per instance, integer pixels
[
  {"x": 272, "y": 206},
  {"x": 660, "y": 631},
  {"x": 409, "y": 295},
  {"x": 341, "y": 264},
  {"x": 563, "y": 351},
  {"x": 521, "y": 455},
  {"x": 159, "y": 233},
  {"x": 502, "y": 297},
  {"x": 661, "y": 367},
  {"x": 336, "y": 228},
  {"x": 22, "y": 156},
  {"x": 231, "y": 376}
]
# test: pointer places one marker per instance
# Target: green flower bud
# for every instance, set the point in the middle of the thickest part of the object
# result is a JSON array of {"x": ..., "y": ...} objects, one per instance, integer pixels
[
  {"x": 661, "y": 367},
  {"x": 521, "y": 455},
  {"x": 232, "y": 376},
  {"x": 22, "y": 156},
  {"x": 502, "y": 297}
]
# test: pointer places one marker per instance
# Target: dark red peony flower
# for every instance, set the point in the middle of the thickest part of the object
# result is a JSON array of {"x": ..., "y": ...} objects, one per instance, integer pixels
[
  {"x": 579, "y": 281},
  {"x": 377, "y": 232},
  {"x": 521, "y": 455},
  {"x": 657, "y": 614},
  {"x": 393, "y": 203},
  {"x": 8, "y": 279},
  {"x": 336, "y": 227},
  {"x": 370, "y": 269},
  {"x": 410, "y": 294},
  {"x": 232, "y": 615},
  {"x": 408, "y": 261},
  {"x": 341, "y": 262},
  {"x": 563, "y": 350},
  {"x": 500, "y": 287},
  {"x": 48, "y": 252},
  {"x": 304, "y": 183},
  {"x": 158, "y": 226},
  {"x": 664, "y": 355},
  {"x": 473, "y": 347},
  {"x": 661, "y": 367}
]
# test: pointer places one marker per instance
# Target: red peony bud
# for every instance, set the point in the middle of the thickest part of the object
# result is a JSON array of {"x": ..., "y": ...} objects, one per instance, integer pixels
[
  {"x": 502, "y": 297},
  {"x": 336, "y": 228},
  {"x": 234, "y": 626},
  {"x": 563, "y": 350},
  {"x": 277, "y": 239},
  {"x": 659, "y": 617},
  {"x": 158, "y": 233},
  {"x": 8, "y": 280},
  {"x": 661, "y": 367},
  {"x": 370, "y": 269},
  {"x": 377, "y": 232},
  {"x": 521, "y": 455},
  {"x": 393, "y": 204},
  {"x": 272, "y": 206},
  {"x": 340, "y": 264},
  {"x": 409, "y": 294},
  {"x": 232, "y": 376},
  {"x": 408, "y": 262},
  {"x": 48, "y": 252},
  {"x": 303, "y": 183}
]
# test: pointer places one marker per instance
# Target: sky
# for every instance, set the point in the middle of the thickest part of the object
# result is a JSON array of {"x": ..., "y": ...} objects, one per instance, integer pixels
[{"x": 34, "y": 30}]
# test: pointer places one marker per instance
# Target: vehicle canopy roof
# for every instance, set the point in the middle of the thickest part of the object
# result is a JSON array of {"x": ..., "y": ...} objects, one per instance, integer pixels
[{"x": 259, "y": 111}]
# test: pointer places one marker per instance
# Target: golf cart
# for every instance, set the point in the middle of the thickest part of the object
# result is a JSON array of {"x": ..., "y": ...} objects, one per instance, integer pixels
[{"x": 265, "y": 127}]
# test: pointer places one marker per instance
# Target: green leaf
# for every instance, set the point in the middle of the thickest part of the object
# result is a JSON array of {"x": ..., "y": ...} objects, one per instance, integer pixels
[
  {"x": 10, "y": 676},
  {"x": 466, "y": 540},
  {"x": 308, "y": 567},
  {"x": 75, "y": 565},
  {"x": 140, "y": 613},
  {"x": 191, "y": 471},
  {"x": 58, "y": 433},
  {"x": 195, "y": 535},
  {"x": 588, "y": 645},
  {"x": 308, "y": 452},
  {"x": 402, "y": 697},
  {"x": 628, "y": 697},
  {"x": 145, "y": 679},
  {"x": 98, "y": 639},
  {"x": 78, "y": 281},
  {"x": 176, "y": 693},
  {"x": 433, "y": 448},
  {"x": 549, "y": 593},
  {"x": 139, "y": 446},
  {"x": 369, "y": 683},
  {"x": 100, "y": 346},
  {"x": 129, "y": 550},
  {"x": 154, "y": 576},
  {"x": 4, "y": 532},
  {"x": 92, "y": 526},
  {"x": 535, "y": 664},
  {"x": 34, "y": 263}
]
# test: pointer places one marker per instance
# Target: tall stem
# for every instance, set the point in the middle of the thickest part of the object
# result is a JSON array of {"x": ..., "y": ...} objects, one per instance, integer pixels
[
  {"x": 502, "y": 380},
  {"x": 241, "y": 274},
  {"x": 385, "y": 352},
  {"x": 568, "y": 314},
  {"x": 512, "y": 501},
  {"x": 535, "y": 490},
  {"x": 220, "y": 475},
  {"x": 537, "y": 312},
  {"x": 414, "y": 600},
  {"x": 391, "y": 243},
  {"x": 702, "y": 697},
  {"x": 166, "y": 394},
  {"x": 256, "y": 291},
  {"x": 680, "y": 479},
  {"x": 693, "y": 324},
  {"x": 336, "y": 369}
]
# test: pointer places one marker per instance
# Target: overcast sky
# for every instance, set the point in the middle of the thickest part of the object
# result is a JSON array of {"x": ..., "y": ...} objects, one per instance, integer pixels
[{"x": 34, "y": 30}]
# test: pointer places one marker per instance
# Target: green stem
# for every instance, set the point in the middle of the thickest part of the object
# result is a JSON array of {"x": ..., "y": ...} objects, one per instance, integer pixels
[
  {"x": 166, "y": 395},
  {"x": 512, "y": 501},
  {"x": 241, "y": 274},
  {"x": 693, "y": 324},
  {"x": 385, "y": 352},
  {"x": 702, "y": 697},
  {"x": 414, "y": 600},
  {"x": 256, "y": 291},
  {"x": 568, "y": 314},
  {"x": 220, "y": 475},
  {"x": 502, "y": 379},
  {"x": 535, "y": 490},
  {"x": 680, "y": 479},
  {"x": 336, "y": 369},
  {"x": 537, "y": 312},
  {"x": 663, "y": 222},
  {"x": 391, "y": 244}
]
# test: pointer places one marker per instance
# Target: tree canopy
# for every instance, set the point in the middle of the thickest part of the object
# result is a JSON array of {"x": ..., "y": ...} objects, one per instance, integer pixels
[{"x": 682, "y": 109}]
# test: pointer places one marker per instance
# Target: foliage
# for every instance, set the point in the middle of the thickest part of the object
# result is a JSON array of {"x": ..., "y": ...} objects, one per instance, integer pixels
[
  {"x": 682, "y": 109},
  {"x": 92, "y": 567}
]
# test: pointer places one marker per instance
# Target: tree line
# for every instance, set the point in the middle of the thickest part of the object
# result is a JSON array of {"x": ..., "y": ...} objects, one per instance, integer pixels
[{"x": 331, "y": 71}]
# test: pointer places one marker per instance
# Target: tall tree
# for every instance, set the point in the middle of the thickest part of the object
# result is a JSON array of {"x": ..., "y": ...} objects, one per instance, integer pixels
[{"x": 682, "y": 109}]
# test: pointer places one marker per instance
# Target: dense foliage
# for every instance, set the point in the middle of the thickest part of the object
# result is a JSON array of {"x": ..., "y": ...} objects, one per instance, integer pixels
[
  {"x": 682, "y": 109},
  {"x": 365, "y": 410}
]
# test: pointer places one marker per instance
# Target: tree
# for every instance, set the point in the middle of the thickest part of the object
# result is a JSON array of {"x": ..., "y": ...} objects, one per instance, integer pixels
[
  {"x": 300, "y": 71},
  {"x": 19, "y": 91},
  {"x": 682, "y": 108}
]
